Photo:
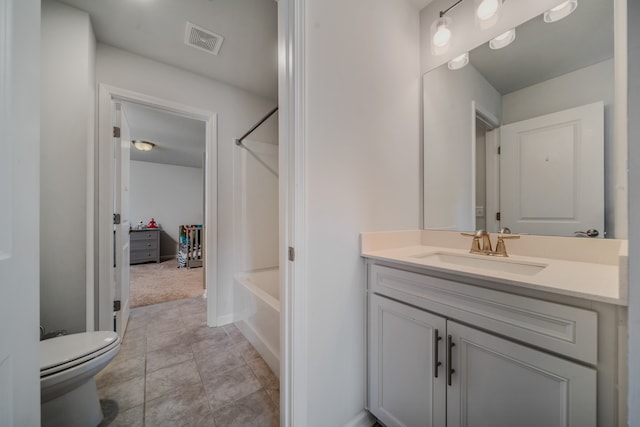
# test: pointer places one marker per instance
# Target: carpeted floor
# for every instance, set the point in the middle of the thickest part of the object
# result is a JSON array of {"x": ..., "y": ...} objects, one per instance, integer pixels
[{"x": 155, "y": 283}]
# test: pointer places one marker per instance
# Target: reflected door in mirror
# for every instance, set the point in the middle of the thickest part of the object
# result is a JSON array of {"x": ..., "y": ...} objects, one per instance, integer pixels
[{"x": 552, "y": 172}]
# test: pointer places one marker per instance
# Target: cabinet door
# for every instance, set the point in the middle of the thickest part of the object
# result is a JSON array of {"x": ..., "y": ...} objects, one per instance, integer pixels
[
  {"x": 406, "y": 388},
  {"x": 498, "y": 383}
]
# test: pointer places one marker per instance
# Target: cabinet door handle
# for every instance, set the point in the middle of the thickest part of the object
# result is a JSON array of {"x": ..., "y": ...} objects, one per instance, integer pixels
[
  {"x": 450, "y": 370},
  {"x": 436, "y": 363}
]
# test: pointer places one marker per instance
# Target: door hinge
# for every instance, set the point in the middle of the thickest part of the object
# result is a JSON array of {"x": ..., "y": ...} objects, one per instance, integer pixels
[
  {"x": 497, "y": 216},
  {"x": 116, "y": 132},
  {"x": 499, "y": 150},
  {"x": 116, "y": 305},
  {"x": 116, "y": 218},
  {"x": 292, "y": 253}
]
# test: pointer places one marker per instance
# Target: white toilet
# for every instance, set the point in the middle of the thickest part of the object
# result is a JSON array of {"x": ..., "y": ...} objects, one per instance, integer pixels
[{"x": 68, "y": 364}]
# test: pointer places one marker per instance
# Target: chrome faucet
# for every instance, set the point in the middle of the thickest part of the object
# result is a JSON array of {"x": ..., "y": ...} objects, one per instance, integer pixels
[{"x": 481, "y": 243}]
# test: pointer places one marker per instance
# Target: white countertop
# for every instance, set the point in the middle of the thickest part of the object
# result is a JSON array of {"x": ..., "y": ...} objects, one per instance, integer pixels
[{"x": 578, "y": 267}]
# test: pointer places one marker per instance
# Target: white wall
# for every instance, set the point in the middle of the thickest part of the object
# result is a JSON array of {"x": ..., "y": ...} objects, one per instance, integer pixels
[
  {"x": 19, "y": 212},
  {"x": 257, "y": 198},
  {"x": 448, "y": 154},
  {"x": 581, "y": 87},
  {"x": 67, "y": 131},
  {"x": 237, "y": 111},
  {"x": 172, "y": 195},
  {"x": 362, "y": 141},
  {"x": 634, "y": 212}
]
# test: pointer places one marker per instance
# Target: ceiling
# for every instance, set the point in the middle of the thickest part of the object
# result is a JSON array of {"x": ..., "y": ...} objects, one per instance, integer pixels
[
  {"x": 179, "y": 140},
  {"x": 156, "y": 29},
  {"x": 543, "y": 51}
]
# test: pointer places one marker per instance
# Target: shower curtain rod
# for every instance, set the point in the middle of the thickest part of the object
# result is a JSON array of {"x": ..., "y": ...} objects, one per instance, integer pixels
[{"x": 261, "y": 121}]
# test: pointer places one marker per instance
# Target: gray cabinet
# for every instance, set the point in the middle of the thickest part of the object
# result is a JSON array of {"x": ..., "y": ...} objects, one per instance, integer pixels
[
  {"x": 429, "y": 368},
  {"x": 144, "y": 246}
]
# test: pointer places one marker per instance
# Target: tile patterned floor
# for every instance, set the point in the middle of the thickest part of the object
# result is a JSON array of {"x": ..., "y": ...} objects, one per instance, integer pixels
[{"x": 173, "y": 370}]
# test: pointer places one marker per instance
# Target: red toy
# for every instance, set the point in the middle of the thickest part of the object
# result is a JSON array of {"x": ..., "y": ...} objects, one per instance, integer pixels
[{"x": 152, "y": 224}]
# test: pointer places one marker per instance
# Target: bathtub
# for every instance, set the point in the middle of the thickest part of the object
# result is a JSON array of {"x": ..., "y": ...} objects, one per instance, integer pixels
[{"x": 256, "y": 301}]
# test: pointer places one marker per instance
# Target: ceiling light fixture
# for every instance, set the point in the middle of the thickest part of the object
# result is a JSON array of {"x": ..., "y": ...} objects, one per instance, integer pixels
[
  {"x": 459, "y": 61},
  {"x": 143, "y": 145},
  {"x": 503, "y": 40},
  {"x": 561, "y": 11}
]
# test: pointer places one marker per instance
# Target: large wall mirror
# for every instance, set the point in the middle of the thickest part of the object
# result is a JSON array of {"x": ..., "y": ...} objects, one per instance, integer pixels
[{"x": 523, "y": 136}]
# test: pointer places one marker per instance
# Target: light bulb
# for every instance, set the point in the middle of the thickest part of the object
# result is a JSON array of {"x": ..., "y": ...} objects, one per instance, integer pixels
[
  {"x": 459, "y": 61},
  {"x": 503, "y": 40},
  {"x": 560, "y": 11},
  {"x": 442, "y": 35},
  {"x": 487, "y": 9}
]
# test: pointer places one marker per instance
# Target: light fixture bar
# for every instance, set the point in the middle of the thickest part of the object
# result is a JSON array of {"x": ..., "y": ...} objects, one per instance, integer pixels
[{"x": 442, "y": 12}]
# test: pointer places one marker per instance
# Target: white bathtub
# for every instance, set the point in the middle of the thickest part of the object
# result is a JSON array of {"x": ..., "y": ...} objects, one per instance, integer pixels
[{"x": 256, "y": 301}]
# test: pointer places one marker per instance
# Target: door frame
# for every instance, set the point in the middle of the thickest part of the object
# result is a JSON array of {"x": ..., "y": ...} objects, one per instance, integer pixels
[
  {"x": 100, "y": 309},
  {"x": 292, "y": 160}
]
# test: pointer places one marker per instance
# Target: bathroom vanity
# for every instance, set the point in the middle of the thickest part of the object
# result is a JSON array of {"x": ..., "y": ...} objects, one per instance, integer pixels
[{"x": 535, "y": 339}]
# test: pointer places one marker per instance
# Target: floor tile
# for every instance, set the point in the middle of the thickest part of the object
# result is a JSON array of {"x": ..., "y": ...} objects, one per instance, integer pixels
[
  {"x": 171, "y": 379},
  {"x": 168, "y": 356},
  {"x": 121, "y": 369},
  {"x": 264, "y": 374},
  {"x": 231, "y": 385},
  {"x": 127, "y": 394},
  {"x": 216, "y": 362},
  {"x": 173, "y": 370},
  {"x": 255, "y": 410},
  {"x": 177, "y": 337},
  {"x": 187, "y": 408}
]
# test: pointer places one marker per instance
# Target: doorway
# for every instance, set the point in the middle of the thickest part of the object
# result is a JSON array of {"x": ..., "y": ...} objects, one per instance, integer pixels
[
  {"x": 109, "y": 286},
  {"x": 166, "y": 204}
]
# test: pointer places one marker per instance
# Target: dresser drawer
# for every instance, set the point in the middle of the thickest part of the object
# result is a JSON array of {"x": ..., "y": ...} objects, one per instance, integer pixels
[
  {"x": 143, "y": 235},
  {"x": 144, "y": 244},
  {"x": 139, "y": 256},
  {"x": 559, "y": 328}
]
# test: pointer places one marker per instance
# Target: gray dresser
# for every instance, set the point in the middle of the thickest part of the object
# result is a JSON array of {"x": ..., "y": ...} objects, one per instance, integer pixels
[{"x": 144, "y": 245}]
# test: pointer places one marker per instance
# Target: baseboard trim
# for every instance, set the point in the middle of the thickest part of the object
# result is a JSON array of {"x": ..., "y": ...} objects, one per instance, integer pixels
[
  {"x": 225, "y": 320},
  {"x": 363, "y": 419}
]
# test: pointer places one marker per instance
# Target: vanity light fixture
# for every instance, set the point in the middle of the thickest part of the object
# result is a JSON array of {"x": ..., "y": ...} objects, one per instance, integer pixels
[
  {"x": 440, "y": 35},
  {"x": 561, "y": 11},
  {"x": 441, "y": 31},
  {"x": 487, "y": 12},
  {"x": 503, "y": 40},
  {"x": 143, "y": 145},
  {"x": 459, "y": 61}
]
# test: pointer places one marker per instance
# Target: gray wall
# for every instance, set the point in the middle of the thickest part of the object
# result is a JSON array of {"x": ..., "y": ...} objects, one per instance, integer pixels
[
  {"x": 172, "y": 195},
  {"x": 67, "y": 124},
  {"x": 448, "y": 156}
]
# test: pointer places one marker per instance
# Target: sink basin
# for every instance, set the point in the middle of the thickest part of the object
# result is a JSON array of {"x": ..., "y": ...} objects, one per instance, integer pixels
[{"x": 484, "y": 262}]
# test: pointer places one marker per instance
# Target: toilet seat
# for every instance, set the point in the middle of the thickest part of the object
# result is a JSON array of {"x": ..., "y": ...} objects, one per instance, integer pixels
[{"x": 68, "y": 351}]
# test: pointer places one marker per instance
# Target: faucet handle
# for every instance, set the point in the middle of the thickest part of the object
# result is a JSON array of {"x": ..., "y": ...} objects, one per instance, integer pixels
[
  {"x": 501, "y": 248},
  {"x": 475, "y": 243}
]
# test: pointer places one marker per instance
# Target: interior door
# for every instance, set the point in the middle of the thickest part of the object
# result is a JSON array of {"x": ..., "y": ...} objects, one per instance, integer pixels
[
  {"x": 552, "y": 173},
  {"x": 19, "y": 212},
  {"x": 122, "y": 147},
  {"x": 498, "y": 382}
]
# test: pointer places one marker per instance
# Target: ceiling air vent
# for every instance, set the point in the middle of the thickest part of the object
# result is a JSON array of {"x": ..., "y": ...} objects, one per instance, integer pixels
[{"x": 202, "y": 39}]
